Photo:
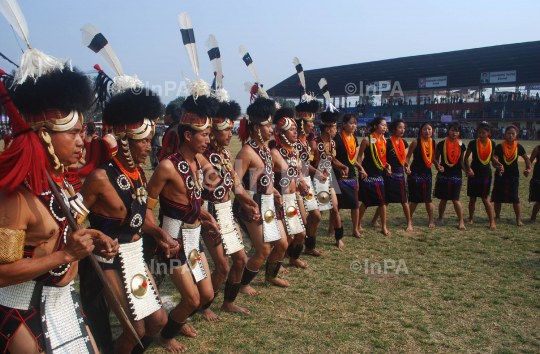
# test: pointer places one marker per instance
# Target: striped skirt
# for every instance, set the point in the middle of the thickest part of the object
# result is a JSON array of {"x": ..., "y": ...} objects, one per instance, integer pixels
[
  {"x": 479, "y": 186},
  {"x": 371, "y": 191},
  {"x": 534, "y": 190},
  {"x": 448, "y": 187},
  {"x": 395, "y": 187},
  {"x": 505, "y": 190},
  {"x": 348, "y": 198},
  {"x": 420, "y": 186}
]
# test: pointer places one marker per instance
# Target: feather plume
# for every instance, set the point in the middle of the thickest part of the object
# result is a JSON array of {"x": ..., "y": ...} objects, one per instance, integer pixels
[
  {"x": 212, "y": 47},
  {"x": 188, "y": 37},
  {"x": 222, "y": 95},
  {"x": 34, "y": 63},
  {"x": 246, "y": 57},
  {"x": 322, "y": 84},
  {"x": 300, "y": 72},
  {"x": 94, "y": 39},
  {"x": 13, "y": 14}
]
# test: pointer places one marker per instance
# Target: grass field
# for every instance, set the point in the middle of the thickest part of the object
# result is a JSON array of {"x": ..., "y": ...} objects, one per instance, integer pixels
[{"x": 471, "y": 291}]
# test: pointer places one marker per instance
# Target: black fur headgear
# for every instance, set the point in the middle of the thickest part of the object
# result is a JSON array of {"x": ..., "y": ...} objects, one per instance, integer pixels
[
  {"x": 230, "y": 110},
  {"x": 261, "y": 110},
  {"x": 130, "y": 107},
  {"x": 309, "y": 107},
  {"x": 203, "y": 106},
  {"x": 330, "y": 118},
  {"x": 64, "y": 90}
]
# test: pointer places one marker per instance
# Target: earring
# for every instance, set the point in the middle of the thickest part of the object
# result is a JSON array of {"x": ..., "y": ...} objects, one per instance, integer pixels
[
  {"x": 127, "y": 152},
  {"x": 260, "y": 137},
  {"x": 47, "y": 138}
]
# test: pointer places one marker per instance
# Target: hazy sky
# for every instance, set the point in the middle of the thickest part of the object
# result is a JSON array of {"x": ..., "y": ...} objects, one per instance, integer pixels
[{"x": 146, "y": 38}]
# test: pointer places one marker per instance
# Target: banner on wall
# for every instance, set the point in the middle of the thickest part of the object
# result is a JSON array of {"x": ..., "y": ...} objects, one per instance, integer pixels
[
  {"x": 431, "y": 82},
  {"x": 498, "y": 77}
]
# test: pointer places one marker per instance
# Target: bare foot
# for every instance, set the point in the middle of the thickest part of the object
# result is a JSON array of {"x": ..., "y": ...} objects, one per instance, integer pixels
[
  {"x": 248, "y": 290},
  {"x": 209, "y": 315},
  {"x": 534, "y": 222},
  {"x": 298, "y": 263},
  {"x": 440, "y": 221},
  {"x": 282, "y": 270},
  {"x": 313, "y": 252},
  {"x": 385, "y": 232},
  {"x": 361, "y": 229},
  {"x": 171, "y": 345},
  {"x": 471, "y": 221},
  {"x": 375, "y": 223},
  {"x": 431, "y": 224},
  {"x": 520, "y": 223},
  {"x": 409, "y": 228},
  {"x": 357, "y": 234},
  {"x": 462, "y": 226},
  {"x": 492, "y": 227},
  {"x": 278, "y": 282},
  {"x": 231, "y": 307},
  {"x": 188, "y": 331},
  {"x": 340, "y": 244}
]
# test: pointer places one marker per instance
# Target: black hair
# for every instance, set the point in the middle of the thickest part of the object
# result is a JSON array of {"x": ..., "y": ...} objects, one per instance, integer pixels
[
  {"x": 422, "y": 126},
  {"x": 512, "y": 127},
  {"x": 91, "y": 127},
  {"x": 456, "y": 126},
  {"x": 394, "y": 124},
  {"x": 175, "y": 111},
  {"x": 347, "y": 117},
  {"x": 374, "y": 123},
  {"x": 484, "y": 125},
  {"x": 182, "y": 128}
]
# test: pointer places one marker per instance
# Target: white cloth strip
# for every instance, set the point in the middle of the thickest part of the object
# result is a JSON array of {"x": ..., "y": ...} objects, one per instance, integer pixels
[
  {"x": 63, "y": 329},
  {"x": 172, "y": 226},
  {"x": 312, "y": 204},
  {"x": 229, "y": 234},
  {"x": 294, "y": 223},
  {"x": 191, "y": 239},
  {"x": 17, "y": 296},
  {"x": 131, "y": 256},
  {"x": 270, "y": 229},
  {"x": 323, "y": 187}
]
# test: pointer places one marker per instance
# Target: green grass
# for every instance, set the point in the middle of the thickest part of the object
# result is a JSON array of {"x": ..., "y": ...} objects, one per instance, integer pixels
[{"x": 471, "y": 291}]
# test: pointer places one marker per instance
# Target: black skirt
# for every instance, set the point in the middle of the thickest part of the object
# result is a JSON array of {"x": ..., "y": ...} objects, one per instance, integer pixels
[
  {"x": 395, "y": 188},
  {"x": 420, "y": 186},
  {"x": 534, "y": 190},
  {"x": 505, "y": 190},
  {"x": 448, "y": 187},
  {"x": 371, "y": 191},
  {"x": 478, "y": 187},
  {"x": 348, "y": 198}
]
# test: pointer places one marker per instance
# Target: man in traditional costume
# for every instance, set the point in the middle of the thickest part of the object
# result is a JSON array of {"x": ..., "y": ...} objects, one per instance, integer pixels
[
  {"x": 290, "y": 181},
  {"x": 117, "y": 198},
  {"x": 39, "y": 254}
]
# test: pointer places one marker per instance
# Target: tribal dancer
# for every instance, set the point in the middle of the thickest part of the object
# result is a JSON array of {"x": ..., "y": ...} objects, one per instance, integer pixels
[
  {"x": 506, "y": 186},
  {"x": 39, "y": 254},
  {"x": 170, "y": 138},
  {"x": 305, "y": 115},
  {"x": 177, "y": 181},
  {"x": 534, "y": 185},
  {"x": 420, "y": 179},
  {"x": 324, "y": 149},
  {"x": 395, "y": 189},
  {"x": 219, "y": 180},
  {"x": 372, "y": 161},
  {"x": 346, "y": 151},
  {"x": 117, "y": 198},
  {"x": 286, "y": 160},
  {"x": 449, "y": 178},
  {"x": 479, "y": 171},
  {"x": 254, "y": 166}
]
